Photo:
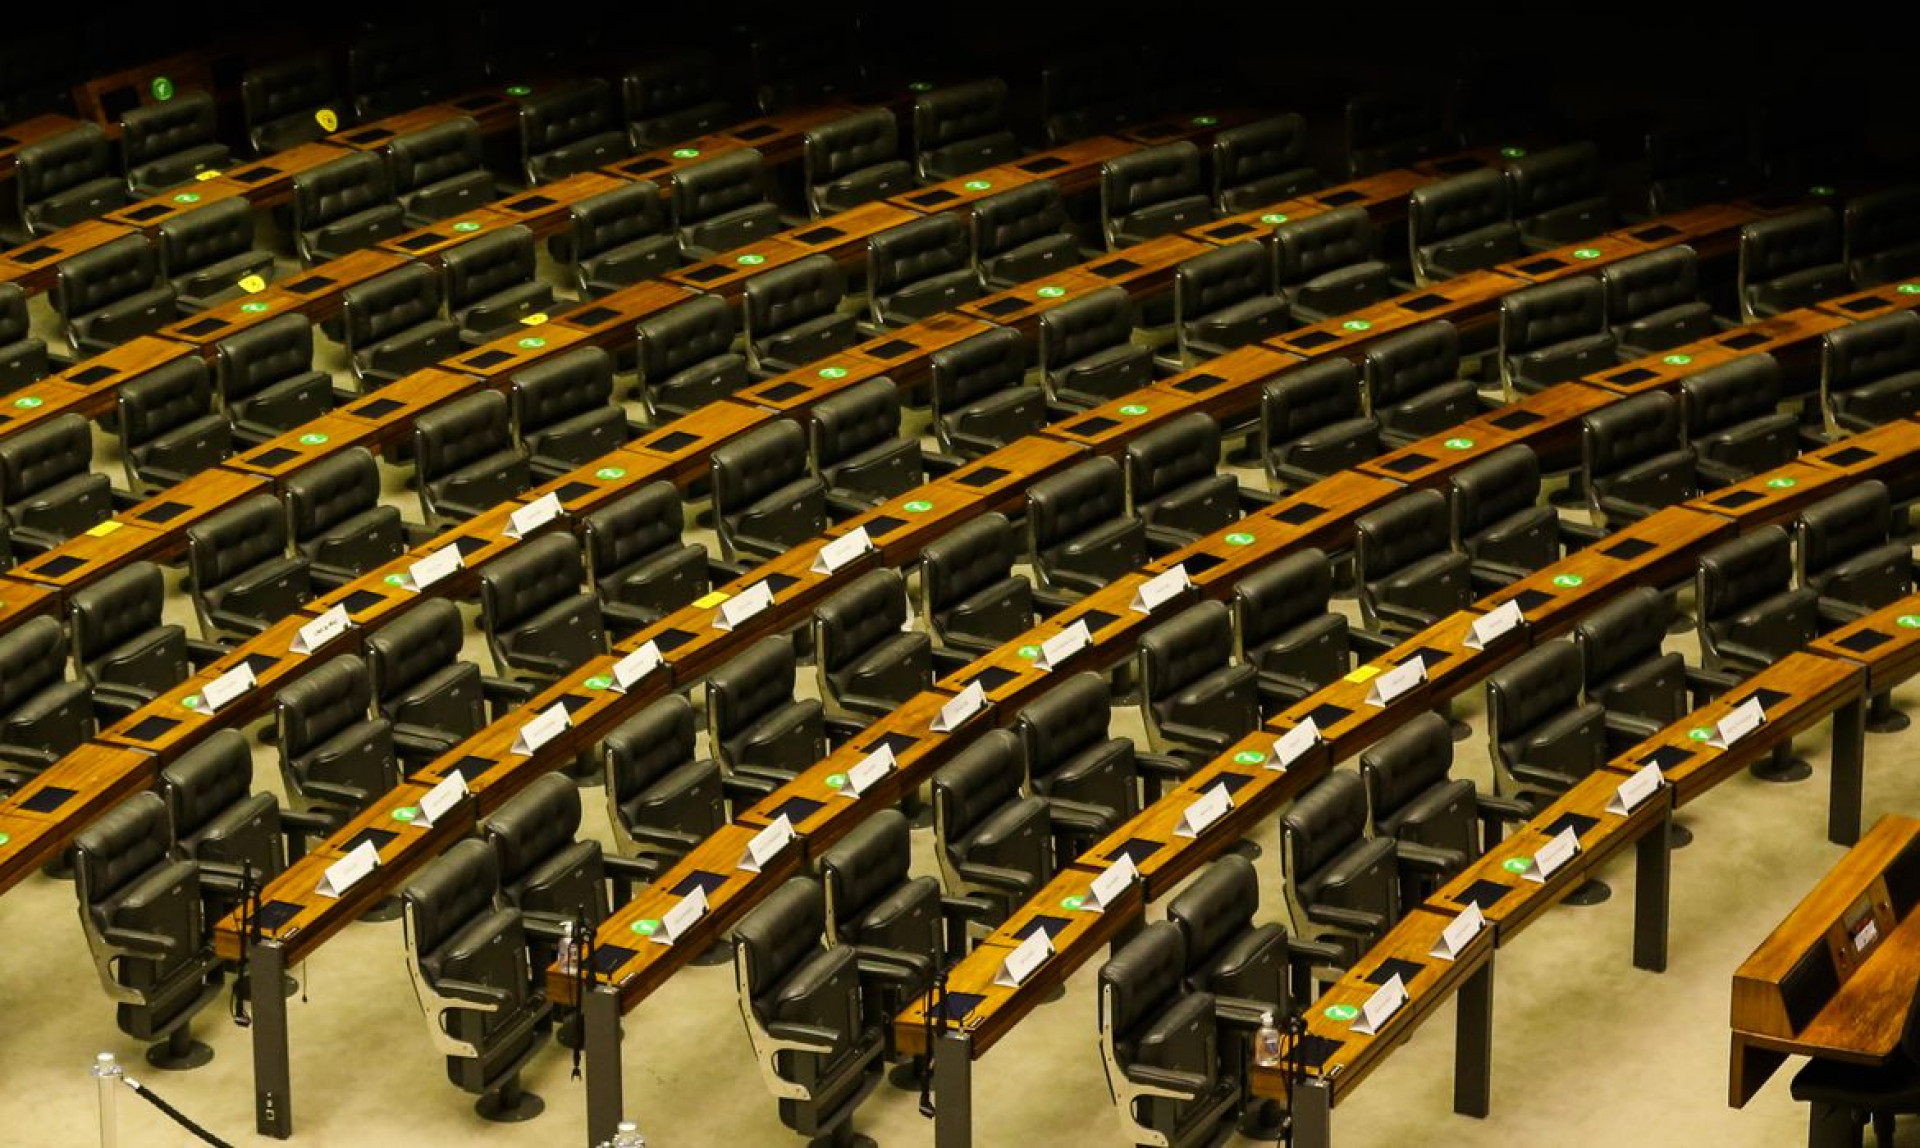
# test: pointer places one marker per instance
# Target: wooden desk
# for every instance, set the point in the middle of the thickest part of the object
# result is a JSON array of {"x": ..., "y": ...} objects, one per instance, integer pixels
[
  {"x": 962, "y": 192},
  {"x": 1467, "y": 302},
  {"x": 684, "y": 448},
  {"x": 608, "y": 322},
  {"x": 13, "y": 137},
  {"x": 1192, "y": 124},
  {"x": 426, "y": 243},
  {"x": 844, "y": 235},
  {"x": 1884, "y": 454},
  {"x": 36, "y": 403},
  {"x": 373, "y": 422},
  {"x": 375, "y": 135},
  {"x": 1012, "y": 675},
  {"x": 516, "y": 348},
  {"x": 1547, "y": 422},
  {"x": 726, "y": 275},
  {"x": 21, "y": 600},
  {"x": 1107, "y": 428},
  {"x": 39, "y": 259},
  {"x": 90, "y": 555},
  {"x": 1775, "y": 496},
  {"x": 1142, "y": 270},
  {"x": 1793, "y": 338},
  {"x": 269, "y": 182},
  {"x": 96, "y": 379},
  {"x": 693, "y": 646},
  {"x": 1320, "y": 516},
  {"x": 1881, "y": 300},
  {"x": 40, "y": 820},
  {"x": 1885, "y": 643},
  {"x": 314, "y": 293},
  {"x": 156, "y": 81},
  {"x": 148, "y": 214},
  {"x": 778, "y": 138},
  {"x": 1228, "y": 387},
  {"x": 548, "y": 209}
]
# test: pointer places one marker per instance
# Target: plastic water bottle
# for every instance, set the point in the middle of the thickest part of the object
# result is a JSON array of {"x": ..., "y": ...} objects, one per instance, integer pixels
[
  {"x": 625, "y": 1135},
  {"x": 569, "y": 956},
  {"x": 1266, "y": 1043}
]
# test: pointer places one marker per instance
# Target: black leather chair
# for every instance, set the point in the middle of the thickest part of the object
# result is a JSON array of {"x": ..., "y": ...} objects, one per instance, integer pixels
[
  {"x": 1750, "y": 615},
  {"x": 111, "y": 294},
  {"x": 43, "y": 715},
  {"x": 243, "y": 577},
  {"x": 1079, "y": 531},
  {"x": 1342, "y": 886},
  {"x": 1314, "y": 424},
  {"x": 1287, "y": 631},
  {"x": 491, "y": 284},
  {"x": 433, "y": 698},
  {"x": 48, "y": 489},
  {"x": 868, "y": 662},
  {"x": 23, "y": 358},
  {"x": 662, "y": 797},
  {"x": 1635, "y": 459},
  {"x": 1329, "y": 264},
  {"x": 1439, "y": 824},
  {"x": 146, "y": 930},
  {"x": 344, "y": 205},
  {"x": 539, "y": 619},
  {"x": 206, "y": 253},
  {"x": 858, "y": 449},
  {"x": 960, "y": 129},
  {"x": 397, "y": 68},
  {"x": 392, "y": 327},
  {"x": 617, "y": 239},
  {"x": 266, "y": 378},
  {"x": 1089, "y": 93},
  {"x": 894, "y": 922},
  {"x": 1462, "y": 224},
  {"x": 467, "y": 956},
  {"x": 123, "y": 649},
  {"x": 1654, "y": 303},
  {"x": 802, "y": 1003},
  {"x": 721, "y": 203},
  {"x": 640, "y": 566},
  {"x": 686, "y": 357},
  {"x": 1847, "y": 556},
  {"x": 1409, "y": 574},
  {"x": 1224, "y": 299},
  {"x": 1175, "y": 483},
  {"x": 466, "y": 459},
  {"x": 1881, "y": 234},
  {"x": 546, "y": 871},
  {"x": 219, "y": 822},
  {"x": 564, "y": 411},
  {"x": 1086, "y": 351},
  {"x": 1870, "y": 372},
  {"x": 1152, "y": 192},
  {"x": 1169, "y": 1076},
  {"x": 981, "y": 400},
  {"x": 1734, "y": 423},
  {"x": 334, "y": 757},
  {"x": 971, "y": 598},
  {"x": 674, "y": 99},
  {"x": 792, "y": 315},
  {"x": 166, "y": 145},
  {"x": 1542, "y": 737},
  {"x": 338, "y": 521},
  {"x": 441, "y": 171},
  {"x": 65, "y": 179},
  {"x": 755, "y": 725},
  {"x": 1499, "y": 520},
  {"x": 1394, "y": 129},
  {"x": 1642, "y": 689},
  {"x": 1697, "y": 161},
  {"x": 1090, "y": 780},
  {"x": 1560, "y": 196},
  {"x": 169, "y": 429},
  {"x": 1414, "y": 383},
  {"x": 570, "y": 129},
  {"x": 993, "y": 839},
  {"x": 1020, "y": 234},
  {"x": 919, "y": 269},
  {"x": 1261, "y": 163},
  {"x": 854, "y": 160},
  {"x": 764, "y": 499},
  {"x": 289, "y": 102},
  {"x": 1789, "y": 261},
  {"x": 1196, "y": 701},
  {"x": 1553, "y": 333}
]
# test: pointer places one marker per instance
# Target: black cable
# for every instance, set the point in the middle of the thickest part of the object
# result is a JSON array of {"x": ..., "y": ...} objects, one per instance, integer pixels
[
  {"x": 174, "y": 1114},
  {"x": 250, "y": 933},
  {"x": 582, "y": 953},
  {"x": 934, "y": 1013}
]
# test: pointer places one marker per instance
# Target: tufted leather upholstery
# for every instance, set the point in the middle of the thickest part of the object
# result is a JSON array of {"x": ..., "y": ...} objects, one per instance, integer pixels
[
  {"x": 1461, "y": 224},
  {"x": 168, "y": 425},
  {"x": 1870, "y": 371},
  {"x": 980, "y": 398},
  {"x": 1020, "y": 235},
  {"x": 1174, "y": 480},
  {"x": 1152, "y": 192},
  {"x": 430, "y": 694},
  {"x": 111, "y": 294},
  {"x": 1410, "y": 576},
  {"x": 1155, "y": 1033},
  {"x": 466, "y": 458},
  {"x": 165, "y": 145},
  {"x": 1260, "y": 163},
  {"x": 974, "y": 601},
  {"x": 620, "y": 238},
  {"x": 721, "y": 203},
  {"x": 392, "y": 324},
  {"x": 962, "y": 129},
  {"x": 67, "y": 178},
  {"x": 332, "y": 755},
  {"x": 854, "y": 160},
  {"x": 1312, "y": 423},
  {"x": 1733, "y": 420},
  {"x": 1082, "y": 535},
  {"x": 1636, "y": 459},
  {"x": 281, "y": 103},
  {"x": 1224, "y": 299},
  {"x": 337, "y": 519},
  {"x": 1086, "y": 352},
  {"x": 1498, "y": 518},
  {"x": 570, "y": 129},
  {"x": 344, "y": 205},
  {"x": 565, "y": 412},
  {"x": 993, "y": 840},
  {"x": 1559, "y": 195},
  {"x": 639, "y": 564},
  {"x": 1749, "y": 613},
  {"x": 763, "y": 496},
  {"x": 1847, "y": 553},
  {"x": 1642, "y": 689},
  {"x": 858, "y": 448},
  {"x": 1413, "y": 381},
  {"x": 1653, "y": 301},
  {"x": 673, "y": 100},
  {"x": 1194, "y": 696},
  {"x": 753, "y": 721},
  {"x": 207, "y": 251},
  {"x": 43, "y": 717},
  {"x": 23, "y": 358},
  {"x": 1790, "y": 261},
  {"x": 1553, "y": 332},
  {"x": 121, "y": 646},
  {"x": 792, "y": 315},
  {"x": 1882, "y": 236},
  {"x": 544, "y": 871},
  {"x": 1329, "y": 264},
  {"x": 491, "y": 283},
  {"x": 48, "y": 490},
  {"x": 267, "y": 380},
  {"x": 665, "y": 798},
  {"x": 686, "y": 357},
  {"x": 1542, "y": 734},
  {"x": 539, "y": 621},
  {"x": 217, "y": 818},
  {"x": 1086, "y": 776},
  {"x": 919, "y": 269},
  {"x": 1341, "y": 884},
  {"x": 869, "y": 662},
  {"x": 1414, "y": 798},
  {"x": 439, "y": 171},
  {"x": 1286, "y": 629},
  {"x": 243, "y": 579}
]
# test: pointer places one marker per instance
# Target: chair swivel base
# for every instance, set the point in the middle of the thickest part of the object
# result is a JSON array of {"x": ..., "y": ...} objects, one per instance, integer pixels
[
  {"x": 585, "y": 772},
  {"x": 908, "y": 1076},
  {"x": 179, "y": 1052},
  {"x": 843, "y": 1137},
  {"x": 1590, "y": 893},
  {"x": 384, "y": 910},
  {"x": 1883, "y": 718},
  {"x": 1263, "y": 1120},
  {"x": 1245, "y": 848},
  {"x": 243, "y": 986},
  {"x": 720, "y": 953},
  {"x": 509, "y": 1104},
  {"x": 1781, "y": 767},
  {"x": 1679, "y": 836}
]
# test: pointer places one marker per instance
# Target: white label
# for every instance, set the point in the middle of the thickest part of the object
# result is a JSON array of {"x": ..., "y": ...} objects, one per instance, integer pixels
[
  {"x": 628, "y": 671},
  {"x": 841, "y": 551},
  {"x": 542, "y": 729},
  {"x": 1022, "y": 961},
  {"x": 676, "y": 921},
  {"x": 1458, "y": 933},
  {"x": 347, "y": 872},
  {"x": 227, "y": 687},
  {"x": 1865, "y": 935},
  {"x": 1396, "y": 681},
  {"x": 868, "y": 772},
  {"x": 1380, "y": 1007},
  {"x": 321, "y": 630},
  {"x": 767, "y": 844},
  {"x": 1108, "y": 886},
  {"x": 968, "y": 702},
  {"x": 434, "y": 567},
  {"x": 743, "y": 605},
  {"x": 1749, "y": 716},
  {"x": 1160, "y": 589},
  {"x": 1489, "y": 626},
  {"x": 534, "y": 515},
  {"x": 437, "y": 802},
  {"x": 1055, "y": 651},
  {"x": 1206, "y": 809},
  {"x": 1553, "y": 855},
  {"x": 1289, "y": 747},
  {"x": 1635, "y": 789}
]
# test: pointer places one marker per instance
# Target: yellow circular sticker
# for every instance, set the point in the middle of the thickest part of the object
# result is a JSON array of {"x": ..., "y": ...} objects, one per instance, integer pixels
[
  {"x": 204, "y": 176},
  {"x": 534, "y": 320},
  {"x": 327, "y": 119},
  {"x": 253, "y": 284}
]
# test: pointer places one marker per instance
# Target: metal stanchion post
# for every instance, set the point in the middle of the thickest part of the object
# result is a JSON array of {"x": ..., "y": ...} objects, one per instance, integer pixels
[{"x": 106, "y": 1075}]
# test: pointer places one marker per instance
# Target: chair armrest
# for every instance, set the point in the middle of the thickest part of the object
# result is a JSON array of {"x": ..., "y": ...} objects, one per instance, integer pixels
[
  {"x": 803, "y": 1037},
  {"x": 997, "y": 877},
  {"x": 299, "y": 826},
  {"x": 1838, "y": 612},
  {"x": 1252, "y": 498},
  {"x": 626, "y": 617},
  {"x": 1164, "y": 540},
  {"x": 947, "y": 661},
  {"x": 842, "y": 730},
  {"x": 720, "y": 571},
  {"x": 26, "y": 755},
  {"x": 1207, "y": 739},
  {"x": 1427, "y": 859},
  {"x": 502, "y": 692},
  {"x": 744, "y": 791},
  {"x": 1579, "y": 535},
  {"x": 1166, "y": 1082},
  {"x": 228, "y": 880},
  {"x": 1294, "y": 477},
  {"x": 544, "y": 664},
  {"x": 340, "y": 794},
  {"x": 1715, "y": 474},
  {"x": 124, "y": 500},
  {"x": 470, "y": 992},
  {"x": 418, "y": 534},
  {"x": 238, "y": 623},
  {"x": 1083, "y": 584},
  {"x": 1741, "y": 652},
  {"x": 936, "y": 465},
  {"x": 867, "y": 706},
  {"x": 1158, "y": 771},
  {"x": 1495, "y": 810},
  {"x": 1369, "y": 643},
  {"x": 139, "y": 941},
  {"x": 1240, "y": 1014},
  {"x": 201, "y": 654},
  {"x": 418, "y": 744},
  {"x": 1303, "y": 950},
  {"x": 1358, "y": 920},
  {"x": 1049, "y": 603},
  {"x": 1704, "y": 685}
]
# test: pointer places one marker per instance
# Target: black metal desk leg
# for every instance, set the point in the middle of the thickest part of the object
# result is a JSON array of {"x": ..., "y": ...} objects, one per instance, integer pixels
[
  {"x": 1849, "y": 753},
  {"x": 272, "y": 1078},
  {"x": 600, "y": 1015},
  {"x": 953, "y": 1091},
  {"x": 1312, "y": 1114},
  {"x": 1652, "y": 883},
  {"x": 1473, "y": 1043}
]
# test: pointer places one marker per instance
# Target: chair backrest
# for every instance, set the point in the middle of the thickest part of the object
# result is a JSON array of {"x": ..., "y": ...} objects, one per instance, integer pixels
[
  {"x": 1075, "y": 501},
  {"x": 415, "y": 646},
  {"x": 716, "y": 186},
  {"x": 488, "y": 264},
  {"x": 43, "y": 456},
  {"x": 333, "y": 697},
  {"x": 857, "y": 419},
  {"x": 339, "y": 188},
  {"x": 32, "y": 658},
  {"x": 449, "y": 894},
  {"x": 774, "y": 939},
  {"x": 864, "y": 867},
  {"x": 206, "y": 781},
  {"x": 115, "y": 609},
  {"x": 164, "y": 398},
  {"x": 1548, "y": 313},
  {"x": 50, "y": 166},
  {"x": 1651, "y": 282},
  {"x": 1140, "y": 982},
  {"x": 612, "y": 218},
  {"x": 1172, "y": 456},
  {"x": 1544, "y": 180},
  {"x": 1395, "y": 536},
  {"x": 1088, "y": 93},
  {"x": 462, "y": 433},
  {"x": 684, "y": 334},
  {"x": 1881, "y": 231},
  {"x": 1623, "y": 633},
  {"x": 1843, "y": 526},
  {"x": 1634, "y": 430},
  {"x": 1452, "y": 207},
  {"x": 110, "y": 272},
  {"x": 160, "y": 130},
  {"x": 853, "y": 621},
  {"x": 330, "y": 492},
  {"x": 536, "y": 824},
  {"x": 1252, "y": 152},
  {"x": 1081, "y": 327},
  {"x": 1406, "y": 764},
  {"x": 1533, "y": 689},
  {"x": 1148, "y": 177},
  {"x": 1021, "y": 215},
  {"x": 684, "y": 82},
  {"x": 1300, "y": 400},
  {"x": 786, "y": 296},
  {"x": 1326, "y": 820},
  {"x": 1304, "y": 249},
  {"x": 1730, "y": 393},
  {"x": 1782, "y": 244},
  {"x": 1279, "y": 596},
  {"x": 1868, "y": 351},
  {"x": 1487, "y": 490},
  {"x": 633, "y": 528},
  {"x": 260, "y": 356},
  {"x": 1220, "y": 278},
  {"x": 1186, "y": 648},
  {"x": 569, "y": 384},
  {"x": 1401, "y": 367},
  {"x": 851, "y": 143},
  {"x": 1388, "y": 129},
  {"x": 933, "y": 245},
  {"x": 650, "y": 745},
  {"x": 284, "y": 88},
  {"x": 981, "y": 780},
  {"x": 1217, "y": 907},
  {"x": 240, "y": 538},
  {"x": 758, "y": 463},
  {"x": 1065, "y": 721},
  {"x": 565, "y": 115},
  {"x": 751, "y": 685},
  {"x": 400, "y": 299},
  {"x": 205, "y": 236},
  {"x": 518, "y": 586},
  {"x": 422, "y": 158},
  {"x": 954, "y": 115},
  {"x": 970, "y": 370},
  {"x": 968, "y": 560}
]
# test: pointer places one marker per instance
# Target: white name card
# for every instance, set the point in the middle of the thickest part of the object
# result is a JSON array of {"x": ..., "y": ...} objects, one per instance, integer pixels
[
  {"x": 968, "y": 702},
  {"x": 842, "y": 550},
  {"x": 1206, "y": 809},
  {"x": 1020, "y": 963},
  {"x": 868, "y": 771},
  {"x": 1380, "y": 1007},
  {"x": 1553, "y": 855},
  {"x": 767, "y": 844},
  {"x": 542, "y": 729},
  {"x": 1500, "y": 621},
  {"x": 437, "y": 802},
  {"x": 434, "y": 567},
  {"x": 1750, "y": 715},
  {"x": 1108, "y": 886},
  {"x": 1459, "y": 933},
  {"x": 534, "y": 515},
  {"x": 349, "y": 871},
  {"x": 628, "y": 671},
  {"x": 1636, "y": 789},
  {"x": 1289, "y": 746},
  {"x": 322, "y": 630},
  {"x": 1397, "y": 681},
  {"x": 675, "y": 922},
  {"x": 1160, "y": 589},
  {"x": 227, "y": 687},
  {"x": 1055, "y": 651},
  {"x": 743, "y": 605}
]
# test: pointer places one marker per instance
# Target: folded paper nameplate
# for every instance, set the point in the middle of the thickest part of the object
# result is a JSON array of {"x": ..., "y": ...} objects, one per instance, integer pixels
[
  {"x": 1459, "y": 933},
  {"x": 1289, "y": 746},
  {"x": 1397, "y": 681},
  {"x": 1108, "y": 886},
  {"x": 541, "y": 730},
  {"x": 433, "y": 567},
  {"x": 1553, "y": 855},
  {"x": 1748, "y": 716},
  {"x": 841, "y": 551},
  {"x": 227, "y": 687},
  {"x": 345, "y": 873},
  {"x": 1491, "y": 625},
  {"x": 1055, "y": 651},
  {"x": 1380, "y": 1007},
  {"x": 321, "y": 630},
  {"x": 869, "y": 771},
  {"x": 1642, "y": 785},
  {"x": 1160, "y": 589},
  {"x": 965, "y": 704},
  {"x": 676, "y": 921},
  {"x": 534, "y": 515},
  {"x": 437, "y": 802},
  {"x": 767, "y": 844},
  {"x": 1023, "y": 960},
  {"x": 1206, "y": 809},
  {"x": 628, "y": 671},
  {"x": 743, "y": 606}
]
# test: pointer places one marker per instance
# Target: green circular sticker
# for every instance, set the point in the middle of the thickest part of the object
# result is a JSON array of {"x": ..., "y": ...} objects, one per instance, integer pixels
[
  {"x": 1249, "y": 757},
  {"x": 191, "y": 701},
  {"x": 609, "y": 473},
  {"x": 1516, "y": 864},
  {"x": 1132, "y": 409},
  {"x": 977, "y": 184},
  {"x": 1051, "y": 292},
  {"x": 315, "y": 439},
  {"x": 1782, "y": 483},
  {"x": 1206, "y": 121},
  {"x": 405, "y": 813},
  {"x": 750, "y": 259},
  {"x": 646, "y": 926},
  {"x": 187, "y": 197},
  {"x": 395, "y": 580},
  {"x": 1273, "y": 219},
  {"x": 1029, "y": 652},
  {"x": 1512, "y": 152},
  {"x": 1341, "y": 1012},
  {"x": 1586, "y": 253},
  {"x": 1820, "y": 189},
  {"x": 920, "y": 86},
  {"x": 919, "y": 506},
  {"x": 1072, "y": 904},
  {"x": 519, "y": 90},
  {"x": 253, "y": 307},
  {"x": 836, "y": 781},
  {"x": 467, "y": 225},
  {"x": 1909, "y": 288},
  {"x": 533, "y": 342},
  {"x": 833, "y": 372},
  {"x": 162, "y": 88},
  {"x": 1700, "y": 733},
  {"x": 1238, "y": 539},
  {"x": 1677, "y": 360},
  {"x": 599, "y": 682},
  {"x": 30, "y": 402},
  {"x": 1568, "y": 581},
  {"x": 4, "y": 839},
  {"x": 1459, "y": 444},
  {"x": 1357, "y": 325},
  {"x": 1910, "y": 621},
  {"x": 686, "y": 153}
]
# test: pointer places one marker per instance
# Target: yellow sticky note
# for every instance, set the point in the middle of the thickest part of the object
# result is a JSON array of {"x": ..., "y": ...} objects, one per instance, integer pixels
[
  {"x": 535, "y": 319},
  {"x": 102, "y": 530},
  {"x": 253, "y": 284},
  {"x": 1363, "y": 673},
  {"x": 327, "y": 119},
  {"x": 204, "y": 176},
  {"x": 705, "y": 601}
]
